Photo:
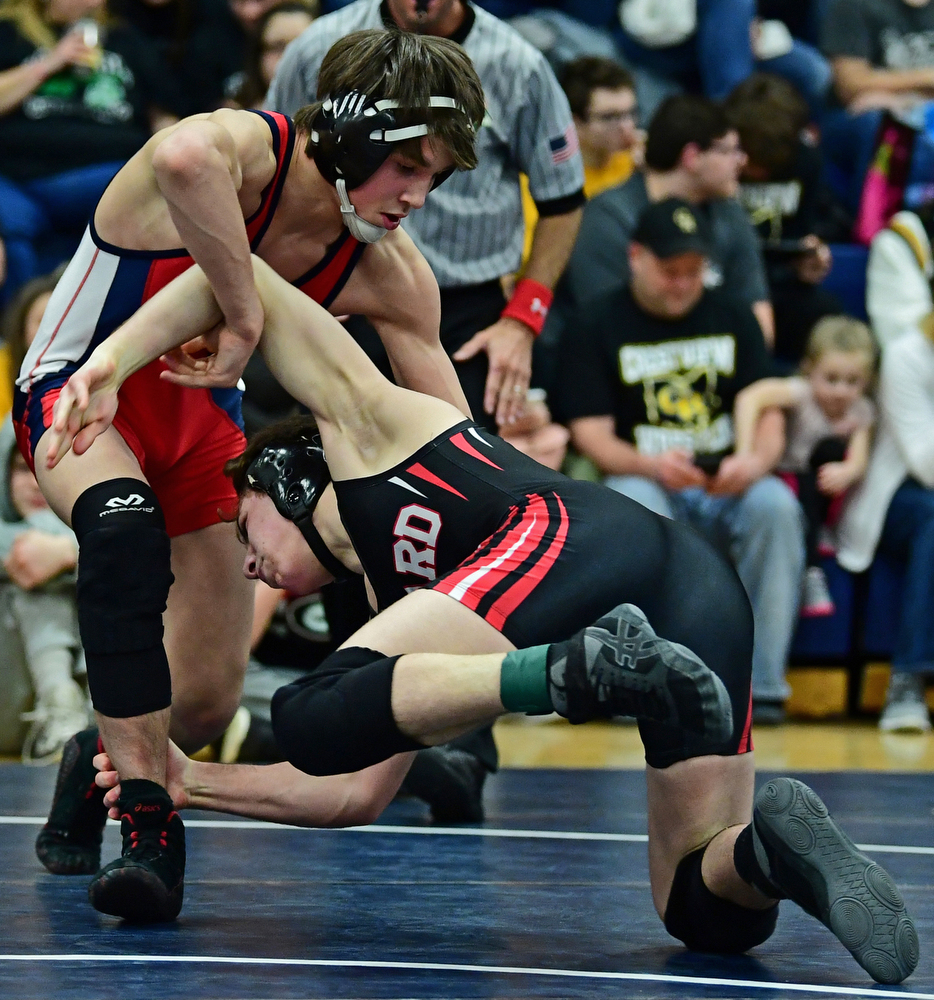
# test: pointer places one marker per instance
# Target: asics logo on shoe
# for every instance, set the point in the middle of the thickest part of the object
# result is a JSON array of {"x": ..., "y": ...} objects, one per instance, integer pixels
[
  {"x": 133, "y": 500},
  {"x": 626, "y": 651},
  {"x": 140, "y": 808}
]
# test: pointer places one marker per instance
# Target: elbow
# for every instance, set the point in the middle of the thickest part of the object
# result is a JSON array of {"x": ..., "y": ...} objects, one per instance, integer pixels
[
  {"x": 582, "y": 446},
  {"x": 363, "y": 811},
  {"x": 361, "y": 804}
]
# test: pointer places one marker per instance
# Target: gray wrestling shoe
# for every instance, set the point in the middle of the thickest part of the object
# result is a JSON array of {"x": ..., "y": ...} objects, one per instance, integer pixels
[
  {"x": 812, "y": 862},
  {"x": 619, "y": 666}
]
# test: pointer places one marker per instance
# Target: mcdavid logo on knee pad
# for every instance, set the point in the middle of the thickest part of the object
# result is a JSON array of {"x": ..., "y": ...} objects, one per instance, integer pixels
[{"x": 133, "y": 502}]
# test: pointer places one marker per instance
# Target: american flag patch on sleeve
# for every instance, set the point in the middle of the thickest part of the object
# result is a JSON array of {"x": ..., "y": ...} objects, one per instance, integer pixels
[{"x": 564, "y": 146}]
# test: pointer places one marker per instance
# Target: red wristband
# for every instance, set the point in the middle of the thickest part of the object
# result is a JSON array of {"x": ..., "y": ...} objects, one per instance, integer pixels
[{"x": 529, "y": 304}]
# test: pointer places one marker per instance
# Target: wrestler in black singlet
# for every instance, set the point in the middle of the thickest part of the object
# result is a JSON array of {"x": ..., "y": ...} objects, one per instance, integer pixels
[{"x": 541, "y": 556}]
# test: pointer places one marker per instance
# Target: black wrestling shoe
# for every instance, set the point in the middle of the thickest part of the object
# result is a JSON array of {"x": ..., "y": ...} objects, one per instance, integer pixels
[
  {"x": 70, "y": 842},
  {"x": 145, "y": 884},
  {"x": 809, "y": 860},
  {"x": 451, "y": 781},
  {"x": 619, "y": 666}
]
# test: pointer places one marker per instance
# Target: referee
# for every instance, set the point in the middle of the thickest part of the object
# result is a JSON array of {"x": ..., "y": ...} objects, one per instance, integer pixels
[{"x": 471, "y": 229}]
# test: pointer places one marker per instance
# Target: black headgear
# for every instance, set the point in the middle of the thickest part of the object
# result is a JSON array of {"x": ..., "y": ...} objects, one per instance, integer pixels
[
  {"x": 354, "y": 134},
  {"x": 294, "y": 476}
]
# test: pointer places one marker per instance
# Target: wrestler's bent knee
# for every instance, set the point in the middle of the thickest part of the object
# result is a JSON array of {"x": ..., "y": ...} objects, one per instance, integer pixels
[
  {"x": 198, "y": 720},
  {"x": 124, "y": 575},
  {"x": 339, "y": 718},
  {"x": 707, "y": 923}
]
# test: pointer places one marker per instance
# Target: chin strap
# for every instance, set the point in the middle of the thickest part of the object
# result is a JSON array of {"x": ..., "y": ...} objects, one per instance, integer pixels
[
  {"x": 322, "y": 553},
  {"x": 359, "y": 228}
]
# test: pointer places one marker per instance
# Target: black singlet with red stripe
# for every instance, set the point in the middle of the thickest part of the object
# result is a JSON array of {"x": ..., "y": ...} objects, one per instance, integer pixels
[{"x": 540, "y": 556}]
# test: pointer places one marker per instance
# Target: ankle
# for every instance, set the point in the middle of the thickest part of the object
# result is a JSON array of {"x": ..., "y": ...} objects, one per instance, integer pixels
[
  {"x": 751, "y": 863},
  {"x": 135, "y": 790},
  {"x": 523, "y": 683},
  {"x": 721, "y": 876}
]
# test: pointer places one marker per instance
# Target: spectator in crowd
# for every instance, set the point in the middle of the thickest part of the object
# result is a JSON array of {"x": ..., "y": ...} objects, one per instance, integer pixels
[
  {"x": 692, "y": 152},
  {"x": 603, "y": 103},
  {"x": 78, "y": 97},
  {"x": 535, "y": 434},
  {"x": 781, "y": 188},
  {"x": 606, "y": 115},
  {"x": 882, "y": 55},
  {"x": 892, "y": 514},
  {"x": 36, "y": 578},
  {"x": 277, "y": 27},
  {"x": 829, "y": 422},
  {"x": 801, "y": 17},
  {"x": 199, "y": 43},
  {"x": 471, "y": 229},
  {"x": 649, "y": 375},
  {"x": 21, "y": 322},
  {"x": 710, "y": 46},
  {"x": 38, "y": 609},
  {"x": 899, "y": 273}
]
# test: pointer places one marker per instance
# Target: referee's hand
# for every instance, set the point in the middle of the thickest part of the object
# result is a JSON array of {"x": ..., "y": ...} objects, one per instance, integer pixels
[{"x": 508, "y": 343}]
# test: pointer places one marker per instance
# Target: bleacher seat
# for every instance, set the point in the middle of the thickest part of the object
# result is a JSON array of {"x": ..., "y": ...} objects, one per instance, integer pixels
[
  {"x": 881, "y": 604},
  {"x": 847, "y": 277}
]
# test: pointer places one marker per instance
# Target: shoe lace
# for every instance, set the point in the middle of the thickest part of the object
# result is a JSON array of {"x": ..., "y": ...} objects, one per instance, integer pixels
[
  {"x": 150, "y": 841},
  {"x": 650, "y": 703}
]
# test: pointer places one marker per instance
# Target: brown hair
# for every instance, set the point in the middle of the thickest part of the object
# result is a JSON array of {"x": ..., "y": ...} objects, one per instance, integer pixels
[
  {"x": 292, "y": 430},
  {"x": 679, "y": 121},
  {"x": 253, "y": 89},
  {"x": 13, "y": 322},
  {"x": 839, "y": 333},
  {"x": 769, "y": 114},
  {"x": 409, "y": 69},
  {"x": 582, "y": 76}
]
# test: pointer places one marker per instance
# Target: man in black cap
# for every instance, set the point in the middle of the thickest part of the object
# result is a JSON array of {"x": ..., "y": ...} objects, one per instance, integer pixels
[{"x": 649, "y": 375}]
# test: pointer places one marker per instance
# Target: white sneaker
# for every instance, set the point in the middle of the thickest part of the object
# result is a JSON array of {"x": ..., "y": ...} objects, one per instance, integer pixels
[
  {"x": 816, "y": 601},
  {"x": 234, "y": 735},
  {"x": 905, "y": 709},
  {"x": 54, "y": 721}
]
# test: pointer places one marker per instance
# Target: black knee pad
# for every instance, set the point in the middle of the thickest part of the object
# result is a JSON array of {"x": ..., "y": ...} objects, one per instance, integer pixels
[
  {"x": 705, "y": 922},
  {"x": 339, "y": 718},
  {"x": 124, "y": 575}
]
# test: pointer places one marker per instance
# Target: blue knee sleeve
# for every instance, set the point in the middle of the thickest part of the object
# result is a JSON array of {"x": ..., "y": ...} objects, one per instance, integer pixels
[{"x": 124, "y": 575}]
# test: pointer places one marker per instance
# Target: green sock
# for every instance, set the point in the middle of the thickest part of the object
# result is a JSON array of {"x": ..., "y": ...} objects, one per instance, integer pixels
[{"x": 523, "y": 681}]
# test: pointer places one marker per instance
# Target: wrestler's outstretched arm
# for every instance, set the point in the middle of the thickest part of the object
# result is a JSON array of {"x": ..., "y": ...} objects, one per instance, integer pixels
[
  {"x": 277, "y": 793},
  {"x": 366, "y": 422}
]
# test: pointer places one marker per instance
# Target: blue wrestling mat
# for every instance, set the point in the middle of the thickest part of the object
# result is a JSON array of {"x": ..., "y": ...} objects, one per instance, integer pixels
[{"x": 549, "y": 899}]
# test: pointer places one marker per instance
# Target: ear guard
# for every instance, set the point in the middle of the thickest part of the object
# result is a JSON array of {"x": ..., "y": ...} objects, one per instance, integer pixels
[
  {"x": 354, "y": 135},
  {"x": 294, "y": 476}
]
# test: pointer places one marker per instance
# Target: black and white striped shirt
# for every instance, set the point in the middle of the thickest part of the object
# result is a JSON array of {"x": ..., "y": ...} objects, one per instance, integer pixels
[{"x": 471, "y": 227}]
